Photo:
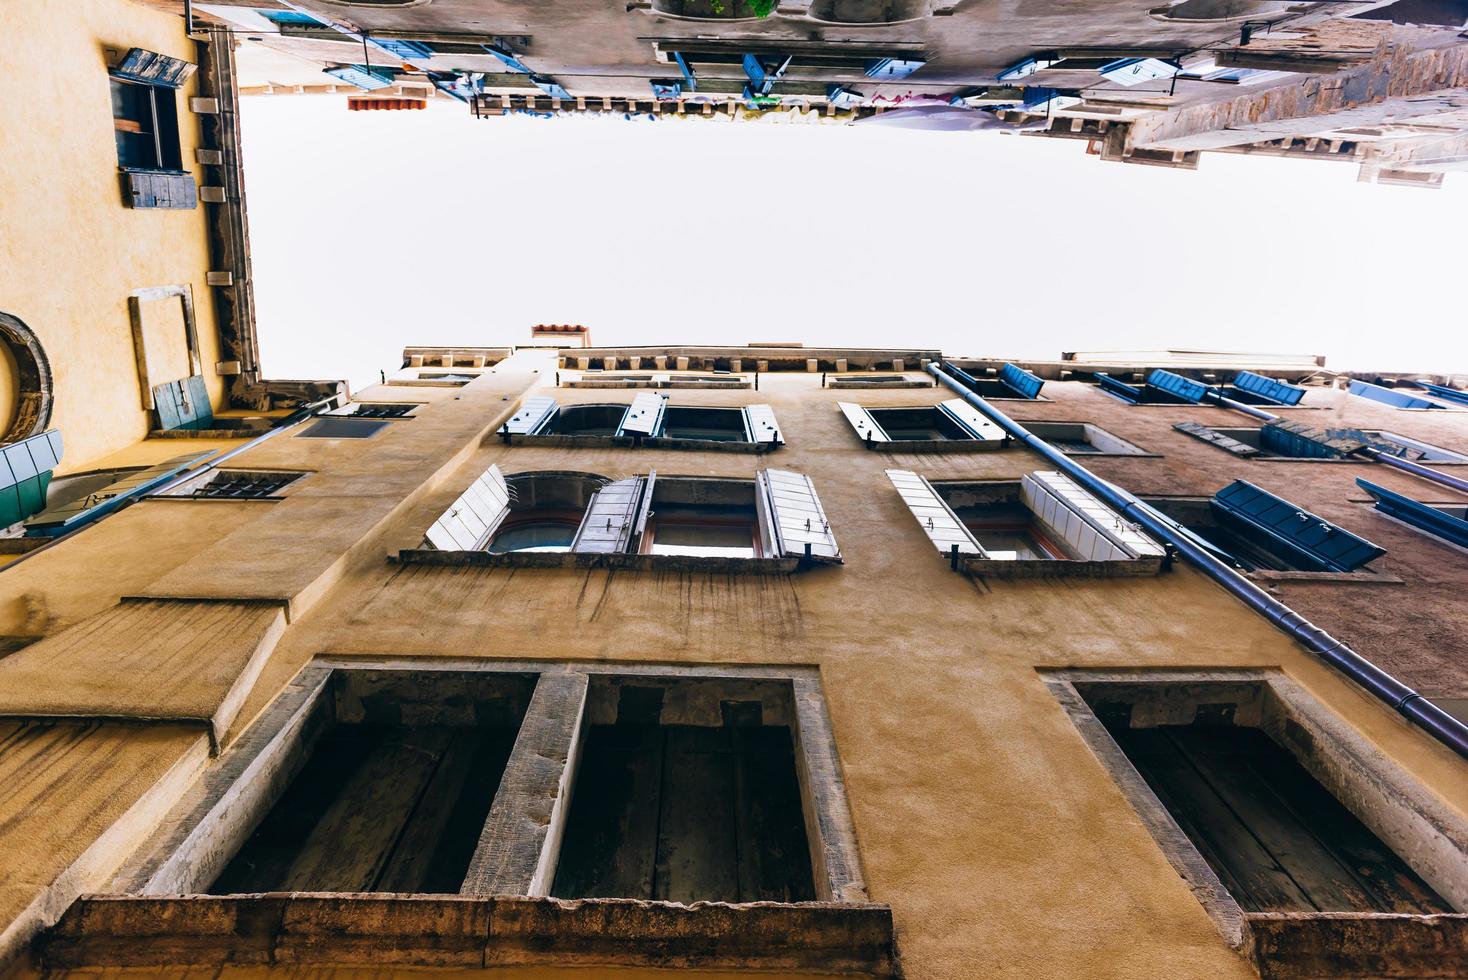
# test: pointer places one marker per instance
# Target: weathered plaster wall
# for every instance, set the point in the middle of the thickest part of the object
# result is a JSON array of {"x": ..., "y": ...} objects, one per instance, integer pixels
[
  {"x": 981, "y": 815},
  {"x": 70, "y": 252}
]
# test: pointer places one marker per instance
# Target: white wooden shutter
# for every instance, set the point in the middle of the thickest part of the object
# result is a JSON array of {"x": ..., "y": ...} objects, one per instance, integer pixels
[
  {"x": 1094, "y": 530},
  {"x": 607, "y": 527},
  {"x": 792, "y": 516},
  {"x": 534, "y": 413},
  {"x": 861, "y": 420},
  {"x": 644, "y": 510},
  {"x": 645, "y": 417},
  {"x": 971, "y": 420},
  {"x": 474, "y": 515},
  {"x": 933, "y": 514},
  {"x": 759, "y": 422}
]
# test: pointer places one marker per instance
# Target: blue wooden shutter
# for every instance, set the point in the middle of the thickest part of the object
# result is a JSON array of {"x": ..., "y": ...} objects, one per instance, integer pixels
[
  {"x": 1268, "y": 389},
  {"x": 1307, "y": 539},
  {"x": 1027, "y": 385},
  {"x": 399, "y": 48},
  {"x": 1442, "y": 391},
  {"x": 1119, "y": 388},
  {"x": 1179, "y": 387},
  {"x": 1390, "y": 396},
  {"x": 533, "y": 415},
  {"x": 1419, "y": 515}
]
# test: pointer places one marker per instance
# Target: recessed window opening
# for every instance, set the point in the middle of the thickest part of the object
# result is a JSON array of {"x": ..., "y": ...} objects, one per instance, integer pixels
[
  {"x": 1404, "y": 446},
  {"x": 545, "y": 510},
  {"x": 145, "y": 120},
  {"x": 543, "y": 531},
  {"x": 703, "y": 517},
  {"x": 393, "y": 795},
  {"x": 998, "y": 518},
  {"x": 587, "y": 420},
  {"x": 925, "y": 424},
  {"x": 237, "y": 485},
  {"x": 687, "y": 791},
  {"x": 1278, "y": 840},
  {"x": 1082, "y": 438},
  {"x": 710, "y": 424},
  {"x": 377, "y": 410},
  {"x": 335, "y": 427}
]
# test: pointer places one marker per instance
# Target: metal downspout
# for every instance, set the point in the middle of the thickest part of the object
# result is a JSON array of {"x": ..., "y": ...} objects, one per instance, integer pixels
[{"x": 1417, "y": 709}]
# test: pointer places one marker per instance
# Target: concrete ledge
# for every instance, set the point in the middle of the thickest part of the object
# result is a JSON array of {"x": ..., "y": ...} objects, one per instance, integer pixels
[
  {"x": 926, "y": 446},
  {"x": 372, "y": 930},
  {"x": 1341, "y": 944},
  {"x": 1266, "y": 575},
  {"x": 636, "y": 563},
  {"x": 1045, "y": 568},
  {"x": 628, "y": 442}
]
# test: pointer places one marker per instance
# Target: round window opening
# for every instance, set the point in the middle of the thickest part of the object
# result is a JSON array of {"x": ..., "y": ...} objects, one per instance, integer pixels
[{"x": 25, "y": 381}]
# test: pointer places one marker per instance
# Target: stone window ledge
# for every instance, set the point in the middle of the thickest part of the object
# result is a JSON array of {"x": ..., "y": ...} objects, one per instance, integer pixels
[
  {"x": 1269, "y": 576},
  {"x": 631, "y": 442},
  {"x": 1336, "y": 944},
  {"x": 620, "y": 562},
  {"x": 818, "y": 938},
  {"x": 1062, "y": 568},
  {"x": 926, "y": 446}
]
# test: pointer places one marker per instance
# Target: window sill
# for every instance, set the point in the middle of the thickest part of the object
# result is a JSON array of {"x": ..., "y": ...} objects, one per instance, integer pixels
[
  {"x": 1062, "y": 568},
  {"x": 298, "y": 928},
  {"x": 937, "y": 446},
  {"x": 1344, "y": 944},
  {"x": 629, "y": 442},
  {"x": 1332, "y": 578},
  {"x": 648, "y": 563}
]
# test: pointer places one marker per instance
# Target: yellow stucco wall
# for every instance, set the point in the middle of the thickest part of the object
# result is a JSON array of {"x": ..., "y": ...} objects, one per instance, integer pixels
[
  {"x": 981, "y": 815},
  {"x": 70, "y": 252}
]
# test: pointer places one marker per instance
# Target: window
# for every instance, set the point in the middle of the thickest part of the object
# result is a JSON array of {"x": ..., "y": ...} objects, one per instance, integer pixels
[
  {"x": 1011, "y": 381},
  {"x": 1281, "y": 440},
  {"x": 1446, "y": 521},
  {"x": 376, "y": 410},
  {"x": 1403, "y": 446},
  {"x": 1391, "y": 396},
  {"x": 650, "y": 420},
  {"x": 1006, "y": 526},
  {"x": 776, "y": 516},
  {"x": 1261, "y": 532},
  {"x": 1160, "y": 388},
  {"x": 1268, "y": 807},
  {"x": 235, "y": 485},
  {"x": 878, "y": 381},
  {"x": 695, "y": 784},
  {"x": 1082, "y": 439},
  {"x": 145, "y": 119},
  {"x": 335, "y": 427},
  {"x": 953, "y": 424},
  {"x": 610, "y": 379},
  {"x": 1256, "y": 389}
]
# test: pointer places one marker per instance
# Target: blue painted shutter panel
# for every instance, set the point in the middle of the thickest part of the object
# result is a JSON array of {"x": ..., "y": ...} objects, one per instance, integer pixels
[
  {"x": 1298, "y": 532},
  {"x": 1119, "y": 388},
  {"x": 1026, "y": 384},
  {"x": 361, "y": 76},
  {"x": 1419, "y": 515},
  {"x": 1390, "y": 396},
  {"x": 1184, "y": 389},
  {"x": 406, "y": 50},
  {"x": 1268, "y": 388},
  {"x": 1441, "y": 391}
]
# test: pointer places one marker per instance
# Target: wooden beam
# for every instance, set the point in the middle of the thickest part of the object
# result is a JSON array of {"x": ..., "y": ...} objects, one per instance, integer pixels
[{"x": 521, "y": 839}]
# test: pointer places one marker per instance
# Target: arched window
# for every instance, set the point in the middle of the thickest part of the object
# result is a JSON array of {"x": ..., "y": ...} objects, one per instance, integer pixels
[{"x": 25, "y": 381}]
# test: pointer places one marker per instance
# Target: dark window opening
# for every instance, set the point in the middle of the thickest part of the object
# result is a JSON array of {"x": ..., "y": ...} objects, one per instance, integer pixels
[
  {"x": 384, "y": 803},
  {"x": 343, "y": 428},
  {"x": 1082, "y": 438},
  {"x": 242, "y": 485},
  {"x": 145, "y": 120},
  {"x": 1007, "y": 530},
  {"x": 587, "y": 420},
  {"x": 1276, "y": 838},
  {"x": 711, "y": 424},
  {"x": 686, "y": 812},
  {"x": 918, "y": 425},
  {"x": 380, "y": 410},
  {"x": 541, "y": 532},
  {"x": 1251, "y": 549},
  {"x": 714, "y": 518}
]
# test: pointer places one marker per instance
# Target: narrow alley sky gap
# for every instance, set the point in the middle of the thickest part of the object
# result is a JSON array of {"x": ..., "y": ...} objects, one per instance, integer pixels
[{"x": 372, "y": 230}]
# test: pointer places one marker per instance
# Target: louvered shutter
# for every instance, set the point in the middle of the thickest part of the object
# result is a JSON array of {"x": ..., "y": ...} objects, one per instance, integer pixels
[
  {"x": 1022, "y": 382},
  {"x": 933, "y": 514},
  {"x": 533, "y": 415},
  {"x": 1268, "y": 388},
  {"x": 1307, "y": 539},
  {"x": 645, "y": 416},
  {"x": 470, "y": 521},
  {"x": 1179, "y": 387},
  {"x": 610, "y": 518},
  {"x": 861, "y": 420},
  {"x": 1390, "y": 396},
  {"x": 792, "y": 516},
  {"x": 1119, "y": 388},
  {"x": 1419, "y": 515},
  {"x": 1094, "y": 530},
  {"x": 1442, "y": 391},
  {"x": 971, "y": 420},
  {"x": 759, "y": 422}
]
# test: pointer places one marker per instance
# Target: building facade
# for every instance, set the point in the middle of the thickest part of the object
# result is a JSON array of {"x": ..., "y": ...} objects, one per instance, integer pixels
[{"x": 567, "y": 661}]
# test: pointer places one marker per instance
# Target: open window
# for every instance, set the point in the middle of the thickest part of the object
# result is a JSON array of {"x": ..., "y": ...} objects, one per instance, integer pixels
[
  {"x": 1041, "y": 524},
  {"x": 376, "y": 410},
  {"x": 1256, "y": 389},
  {"x": 223, "y": 484},
  {"x": 1160, "y": 388},
  {"x": 1295, "y": 440},
  {"x": 1011, "y": 382},
  {"x": 1391, "y": 396},
  {"x": 953, "y": 425},
  {"x": 773, "y": 522},
  {"x": 144, "y": 88},
  {"x": 649, "y": 420},
  {"x": 1446, "y": 521},
  {"x": 1262, "y": 532},
  {"x": 1310, "y": 850},
  {"x": 1083, "y": 439},
  {"x": 427, "y": 800}
]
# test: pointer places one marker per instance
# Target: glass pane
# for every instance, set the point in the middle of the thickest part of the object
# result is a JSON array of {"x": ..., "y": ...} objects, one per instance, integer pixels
[
  {"x": 545, "y": 536},
  {"x": 711, "y": 540}
]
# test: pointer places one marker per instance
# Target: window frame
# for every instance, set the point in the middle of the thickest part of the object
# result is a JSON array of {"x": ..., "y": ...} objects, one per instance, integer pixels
[{"x": 165, "y": 128}]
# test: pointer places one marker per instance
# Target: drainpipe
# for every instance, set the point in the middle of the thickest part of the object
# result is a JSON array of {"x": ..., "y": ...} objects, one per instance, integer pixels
[
  {"x": 1382, "y": 685},
  {"x": 1376, "y": 455},
  {"x": 300, "y": 415}
]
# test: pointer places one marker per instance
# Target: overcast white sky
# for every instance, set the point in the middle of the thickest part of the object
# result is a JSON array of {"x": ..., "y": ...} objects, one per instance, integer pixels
[{"x": 375, "y": 230}]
